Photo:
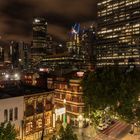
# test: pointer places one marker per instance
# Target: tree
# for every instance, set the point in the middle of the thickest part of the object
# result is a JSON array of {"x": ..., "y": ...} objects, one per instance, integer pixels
[
  {"x": 115, "y": 89},
  {"x": 7, "y": 131},
  {"x": 53, "y": 138},
  {"x": 67, "y": 133}
]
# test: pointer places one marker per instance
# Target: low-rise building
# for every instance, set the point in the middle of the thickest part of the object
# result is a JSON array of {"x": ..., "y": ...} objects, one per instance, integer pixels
[
  {"x": 29, "y": 108},
  {"x": 38, "y": 115},
  {"x": 12, "y": 110},
  {"x": 68, "y": 95}
]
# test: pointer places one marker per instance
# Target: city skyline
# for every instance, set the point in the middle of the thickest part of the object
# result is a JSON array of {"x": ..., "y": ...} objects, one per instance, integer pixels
[
  {"x": 16, "y": 17},
  {"x": 69, "y": 70}
]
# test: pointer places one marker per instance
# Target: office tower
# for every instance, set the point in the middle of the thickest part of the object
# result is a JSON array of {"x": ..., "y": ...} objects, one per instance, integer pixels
[
  {"x": 49, "y": 40},
  {"x": 118, "y": 32},
  {"x": 73, "y": 43},
  {"x": 88, "y": 39},
  {"x": 14, "y": 53},
  {"x": 1, "y": 54},
  {"x": 3, "y": 48},
  {"x": 24, "y": 55},
  {"x": 17, "y": 54},
  {"x": 38, "y": 49}
]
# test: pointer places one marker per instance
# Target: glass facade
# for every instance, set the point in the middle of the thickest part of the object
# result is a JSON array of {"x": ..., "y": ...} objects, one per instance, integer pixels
[
  {"x": 38, "y": 49},
  {"x": 118, "y": 32}
]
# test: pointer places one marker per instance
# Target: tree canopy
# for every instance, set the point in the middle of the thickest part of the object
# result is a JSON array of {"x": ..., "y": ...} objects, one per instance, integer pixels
[
  {"x": 7, "y": 131},
  {"x": 113, "y": 88},
  {"x": 67, "y": 133}
]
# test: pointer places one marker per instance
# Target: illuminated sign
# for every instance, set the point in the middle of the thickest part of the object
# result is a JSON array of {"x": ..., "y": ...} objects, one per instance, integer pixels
[
  {"x": 60, "y": 111},
  {"x": 80, "y": 74},
  {"x": 44, "y": 69}
]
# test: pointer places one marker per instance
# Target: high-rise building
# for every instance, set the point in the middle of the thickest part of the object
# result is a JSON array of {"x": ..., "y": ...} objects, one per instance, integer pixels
[
  {"x": 73, "y": 43},
  {"x": 24, "y": 54},
  {"x": 1, "y": 54},
  {"x": 38, "y": 49},
  {"x": 88, "y": 39},
  {"x": 15, "y": 53},
  {"x": 118, "y": 32}
]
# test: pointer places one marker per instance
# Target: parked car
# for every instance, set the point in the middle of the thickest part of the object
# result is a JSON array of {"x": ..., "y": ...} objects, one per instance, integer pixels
[
  {"x": 102, "y": 126},
  {"x": 108, "y": 121}
]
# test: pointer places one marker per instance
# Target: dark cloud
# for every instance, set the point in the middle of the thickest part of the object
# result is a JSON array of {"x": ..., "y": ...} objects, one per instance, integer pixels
[{"x": 16, "y": 16}]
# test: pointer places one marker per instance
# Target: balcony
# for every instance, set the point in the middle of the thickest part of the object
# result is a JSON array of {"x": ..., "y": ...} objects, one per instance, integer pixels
[
  {"x": 69, "y": 102},
  {"x": 74, "y": 113},
  {"x": 29, "y": 111}
]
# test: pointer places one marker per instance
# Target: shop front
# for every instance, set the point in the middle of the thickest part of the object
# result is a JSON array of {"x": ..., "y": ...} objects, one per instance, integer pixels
[
  {"x": 76, "y": 121},
  {"x": 60, "y": 115}
]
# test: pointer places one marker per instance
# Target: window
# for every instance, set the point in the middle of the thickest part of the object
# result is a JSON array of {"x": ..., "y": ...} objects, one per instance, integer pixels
[
  {"x": 16, "y": 113},
  {"x": 5, "y": 115},
  {"x": 11, "y": 114}
]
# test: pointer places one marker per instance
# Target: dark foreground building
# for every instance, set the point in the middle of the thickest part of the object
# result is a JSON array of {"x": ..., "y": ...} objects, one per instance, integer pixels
[{"x": 118, "y": 32}]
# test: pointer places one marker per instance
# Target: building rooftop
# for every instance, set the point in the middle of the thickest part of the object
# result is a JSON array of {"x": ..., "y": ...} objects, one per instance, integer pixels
[{"x": 20, "y": 90}]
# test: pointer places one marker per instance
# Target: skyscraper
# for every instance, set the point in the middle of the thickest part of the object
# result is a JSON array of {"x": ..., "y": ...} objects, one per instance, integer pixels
[
  {"x": 73, "y": 44},
  {"x": 17, "y": 53},
  {"x": 88, "y": 36},
  {"x": 118, "y": 32},
  {"x": 38, "y": 49}
]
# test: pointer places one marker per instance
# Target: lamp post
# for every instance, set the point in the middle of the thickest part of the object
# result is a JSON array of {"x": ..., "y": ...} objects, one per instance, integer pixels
[{"x": 64, "y": 117}]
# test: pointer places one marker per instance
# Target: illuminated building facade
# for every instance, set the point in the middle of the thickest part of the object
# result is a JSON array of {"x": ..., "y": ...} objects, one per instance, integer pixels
[
  {"x": 29, "y": 108},
  {"x": 74, "y": 45},
  {"x": 63, "y": 61},
  {"x": 118, "y": 32},
  {"x": 38, "y": 49},
  {"x": 38, "y": 115},
  {"x": 35, "y": 79},
  {"x": 71, "y": 92}
]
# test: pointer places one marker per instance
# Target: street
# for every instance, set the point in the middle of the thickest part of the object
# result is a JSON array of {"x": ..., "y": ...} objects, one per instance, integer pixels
[{"x": 114, "y": 132}]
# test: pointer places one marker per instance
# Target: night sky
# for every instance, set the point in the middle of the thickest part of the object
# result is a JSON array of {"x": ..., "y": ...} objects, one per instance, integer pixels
[{"x": 16, "y": 16}]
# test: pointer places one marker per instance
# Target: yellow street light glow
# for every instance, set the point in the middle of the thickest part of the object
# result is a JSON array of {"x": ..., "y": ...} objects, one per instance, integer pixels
[{"x": 16, "y": 75}]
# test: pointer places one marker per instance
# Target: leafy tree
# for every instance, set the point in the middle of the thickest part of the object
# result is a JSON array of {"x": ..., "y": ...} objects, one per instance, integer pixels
[
  {"x": 7, "y": 131},
  {"x": 53, "y": 137},
  {"x": 114, "y": 88},
  {"x": 67, "y": 133}
]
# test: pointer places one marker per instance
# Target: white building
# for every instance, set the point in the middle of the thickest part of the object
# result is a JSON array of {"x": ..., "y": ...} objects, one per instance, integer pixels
[{"x": 11, "y": 109}]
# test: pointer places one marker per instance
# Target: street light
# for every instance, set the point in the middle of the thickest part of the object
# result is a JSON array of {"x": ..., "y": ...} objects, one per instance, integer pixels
[
  {"x": 16, "y": 76},
  {"x": 64, "y": 101},
  {"x": 80, "y": 120},
  {"x": 7, "y": 76}
]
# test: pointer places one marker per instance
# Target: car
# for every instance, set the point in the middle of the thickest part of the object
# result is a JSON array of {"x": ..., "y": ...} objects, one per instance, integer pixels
[
  {"x": 108, "y": 121},
  {"x": 102, "y": 126}
]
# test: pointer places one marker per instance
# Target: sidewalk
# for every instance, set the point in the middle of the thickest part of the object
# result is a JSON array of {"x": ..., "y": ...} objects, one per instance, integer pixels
[
  {"x": 58, "y": 126},
  {"x": 85, "y": 133},
  {"x": 131, "y": 137}
]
